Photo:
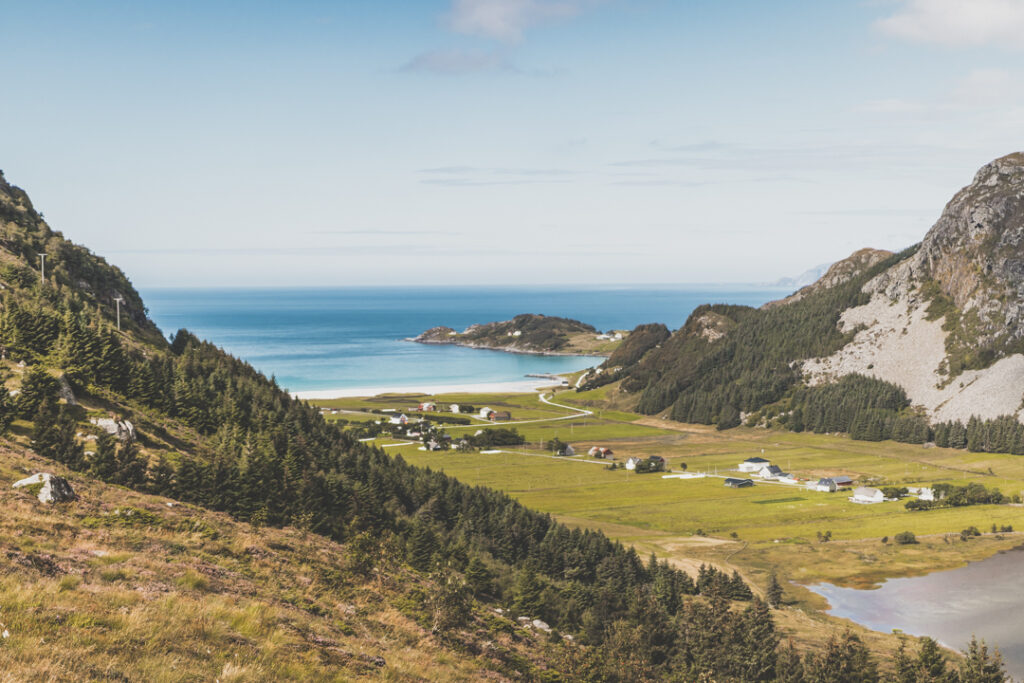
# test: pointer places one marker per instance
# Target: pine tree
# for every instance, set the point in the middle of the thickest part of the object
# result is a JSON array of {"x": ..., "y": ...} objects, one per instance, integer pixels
[
  {"x": 526, "y": 594},
  {"x": 774, "y": 592},
  {"x": 789, "y": 667},
  {"x": 903, "y": 666},
  {"x": 103, "y": 463},
  {"x": 930, "y": 665},
  {"x": 44, "y": 428},
  {"x": 981, "y": 667},
  {"x": 844, "y": 660},
  {"x": 478, "y": 576},
  {"x": 422, "y": 546},
  {"x": 7, "y": 411}
]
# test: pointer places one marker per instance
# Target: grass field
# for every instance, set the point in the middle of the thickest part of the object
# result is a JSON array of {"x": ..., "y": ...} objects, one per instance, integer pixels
[{"x": 767, "y": 526}]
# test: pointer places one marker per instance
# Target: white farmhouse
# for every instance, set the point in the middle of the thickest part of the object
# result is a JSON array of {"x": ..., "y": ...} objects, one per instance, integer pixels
[
  {"x": 771, "y": 472},
  {"x": 866, "y": 495},
  {"x": 824, "y": 485},
  {"x": 632, "y": 463},
  {"x": 753, "y": 464},
  {"x": 453, "y": 408}
]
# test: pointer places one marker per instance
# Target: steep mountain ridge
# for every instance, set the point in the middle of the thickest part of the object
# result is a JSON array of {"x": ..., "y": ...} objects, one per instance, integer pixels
[
  {"x": 947, "y": 324},
  {"x": 929, "y": 337}
]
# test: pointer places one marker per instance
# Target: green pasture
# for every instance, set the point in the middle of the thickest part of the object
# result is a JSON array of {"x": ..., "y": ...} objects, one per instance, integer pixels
[{"x": 765, "y": 512}]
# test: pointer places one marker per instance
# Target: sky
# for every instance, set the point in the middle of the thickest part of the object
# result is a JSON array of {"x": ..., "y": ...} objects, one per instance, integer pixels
[{"x": 457, "y": 142}]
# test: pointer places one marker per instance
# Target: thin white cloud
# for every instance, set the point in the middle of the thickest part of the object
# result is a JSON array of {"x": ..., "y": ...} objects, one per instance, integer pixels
[
  {"x": 508, "y": 20},
  {"x": 455, "y": 62},
  {"x": 986, "y": 87},
  {"x": 958, "y": 23}
]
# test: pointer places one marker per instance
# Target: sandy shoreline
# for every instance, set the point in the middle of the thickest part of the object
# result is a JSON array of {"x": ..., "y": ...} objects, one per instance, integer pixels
[{"x": 429, "y": 388}]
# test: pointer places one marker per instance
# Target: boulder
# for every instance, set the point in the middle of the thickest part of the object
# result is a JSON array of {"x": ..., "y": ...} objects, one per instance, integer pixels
[
  {"x": 51, "y": 488},
  {"x": 65, "y": 391},
  {"x": 541, "y": 626},
  {"x": 122, "y": 429}
]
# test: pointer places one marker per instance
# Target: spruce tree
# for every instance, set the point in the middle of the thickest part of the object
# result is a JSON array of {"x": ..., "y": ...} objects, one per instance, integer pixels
[
  {"x": 981, "y": 667},
  {"x": 774, "y": 592},
  {"x": 422, "y": 546}
]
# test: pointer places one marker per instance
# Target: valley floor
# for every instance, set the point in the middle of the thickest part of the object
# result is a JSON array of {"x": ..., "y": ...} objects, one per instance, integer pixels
[{"x": 767, "y": 527}]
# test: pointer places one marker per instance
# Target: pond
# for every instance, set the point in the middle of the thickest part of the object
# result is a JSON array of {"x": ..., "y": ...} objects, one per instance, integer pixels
[{"x": 985, "y": 599}]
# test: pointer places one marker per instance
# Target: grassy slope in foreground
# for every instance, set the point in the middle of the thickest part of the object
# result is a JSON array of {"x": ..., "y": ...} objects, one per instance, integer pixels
[{"x": 91, "y": 591}]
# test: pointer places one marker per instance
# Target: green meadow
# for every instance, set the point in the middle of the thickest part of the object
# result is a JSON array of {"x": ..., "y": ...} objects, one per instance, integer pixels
[{"x": 765, "y": 525}]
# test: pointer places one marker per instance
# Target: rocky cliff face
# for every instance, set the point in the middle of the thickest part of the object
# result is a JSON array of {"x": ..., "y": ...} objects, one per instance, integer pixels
[
  {"x": 947, "y": 324},
  {"x": 974, "y": 256}
]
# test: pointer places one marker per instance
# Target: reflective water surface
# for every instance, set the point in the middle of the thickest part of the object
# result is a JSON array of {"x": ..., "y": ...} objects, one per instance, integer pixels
[{"x": 984, "y": 598}]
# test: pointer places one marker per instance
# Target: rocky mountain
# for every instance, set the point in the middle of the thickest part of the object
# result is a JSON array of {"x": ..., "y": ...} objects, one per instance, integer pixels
[
  {"x": 947, "y": 324},
  {"x": 942, "y": 322},
  {"x": 805, "y": 278}
]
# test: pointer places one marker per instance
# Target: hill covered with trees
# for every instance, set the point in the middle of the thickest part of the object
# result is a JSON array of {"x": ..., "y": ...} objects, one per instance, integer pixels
[
  {"x": 906, "y": 346},
  {"x": 527, "y": 333}
]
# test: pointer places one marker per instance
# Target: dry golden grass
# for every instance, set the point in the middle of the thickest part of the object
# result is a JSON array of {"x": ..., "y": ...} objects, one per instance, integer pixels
[{"x": 174, "y": 592}]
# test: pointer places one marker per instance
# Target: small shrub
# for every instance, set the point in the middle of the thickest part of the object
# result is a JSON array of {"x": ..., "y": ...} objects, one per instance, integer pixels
[
  {"x": 193, "y": 580},
  {"x": 885, "y": 539},
  {"x": 69, "y": 582},
  {"x": 905, "y": 538},
  {"x": 112, "y": 575}
]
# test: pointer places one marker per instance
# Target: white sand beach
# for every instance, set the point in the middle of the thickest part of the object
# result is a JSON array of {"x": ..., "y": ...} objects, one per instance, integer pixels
[{"x": 517, "y": 386}]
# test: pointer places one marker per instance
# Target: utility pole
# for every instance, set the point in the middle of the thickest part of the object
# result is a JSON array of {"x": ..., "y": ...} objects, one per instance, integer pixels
[
  {"x": 42, "y": 269},
  {"x": 118, "y": 301}
]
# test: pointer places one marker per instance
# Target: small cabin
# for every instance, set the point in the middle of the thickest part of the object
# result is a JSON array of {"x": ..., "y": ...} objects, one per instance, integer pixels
[
  {"x": 501, "y": 416},
  {"x": 825, "y": 485},
  {"x": 734, "y": 483}
]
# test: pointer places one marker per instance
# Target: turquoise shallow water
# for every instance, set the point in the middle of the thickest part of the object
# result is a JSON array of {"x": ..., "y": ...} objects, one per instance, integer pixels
[{"x": 326, "y": 339}]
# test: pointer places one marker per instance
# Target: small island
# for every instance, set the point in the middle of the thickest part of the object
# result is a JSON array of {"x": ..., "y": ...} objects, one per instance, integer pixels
[{"x": 530, "y": 333}]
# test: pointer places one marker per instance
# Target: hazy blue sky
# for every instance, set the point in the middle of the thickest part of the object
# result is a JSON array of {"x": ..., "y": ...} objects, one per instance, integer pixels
[{"x": 498, "y": 141}]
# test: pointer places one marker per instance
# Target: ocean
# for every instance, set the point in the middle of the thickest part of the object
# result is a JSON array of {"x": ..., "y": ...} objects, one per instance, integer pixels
[{"x": 334, "y": 342}]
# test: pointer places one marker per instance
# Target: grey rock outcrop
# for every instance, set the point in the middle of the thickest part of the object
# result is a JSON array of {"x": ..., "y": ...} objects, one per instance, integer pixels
[
  {"x": 974, "y": 254},
  {"x": 65, "y": 391},
  {"x": 53, "y": 489},
  {"x": 122, "y": 429}
]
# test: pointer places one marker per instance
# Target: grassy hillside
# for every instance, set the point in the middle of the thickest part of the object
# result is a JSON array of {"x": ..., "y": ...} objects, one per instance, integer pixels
[{"x": 124, "y": 586}]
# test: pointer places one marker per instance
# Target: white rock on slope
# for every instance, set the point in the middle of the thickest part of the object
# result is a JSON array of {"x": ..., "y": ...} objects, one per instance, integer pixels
[{"x": 54, "y": 490}]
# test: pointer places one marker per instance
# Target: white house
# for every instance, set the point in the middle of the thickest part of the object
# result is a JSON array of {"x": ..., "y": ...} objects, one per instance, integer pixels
[
  {"x": 485, "y": 413},
  {"x": 866, "y": 494},
  {"x": 400, "y": 420},
  {"x": 771, "y": 472},
  {"x": 825, "y": 485},
  {"x": 926, "y": 494},
  {"x": 753, "y": 464},
  {"x": 632, "y": 463},
  {"x": 427, "y": 407},
  {"x": 453, "y": 408}
]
